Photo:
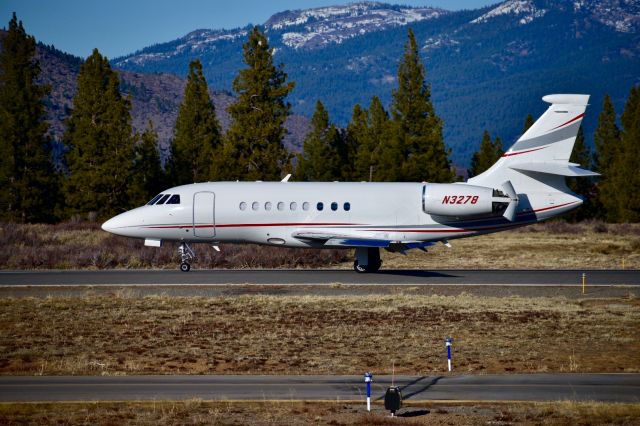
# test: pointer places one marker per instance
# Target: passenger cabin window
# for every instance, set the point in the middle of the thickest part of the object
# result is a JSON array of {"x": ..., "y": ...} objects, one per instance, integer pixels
[
  {"x": 334, "y": 206},
  {"x": 163, "y": 199},
  {"x": 267, "y": 205},
  {"x": 243, "y": 206},
  {"x": 293, "y": 206},
  {"x": 154, "y": 199},
  {"x": 320, "y": 206},
  {"x": 305, "y": 206},
  {"x": 347, "y": 207},
  {"x": 255, "y": 205},
  {"x": 175, "y": 199},
  {"x": 280, "y": 205}
]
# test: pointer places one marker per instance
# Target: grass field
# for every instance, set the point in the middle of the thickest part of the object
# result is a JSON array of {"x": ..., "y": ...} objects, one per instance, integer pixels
[
  {"x": 258, "y": 334},
  {"x": 197, "y": 412},
  {"x": 552, "y": 245}
]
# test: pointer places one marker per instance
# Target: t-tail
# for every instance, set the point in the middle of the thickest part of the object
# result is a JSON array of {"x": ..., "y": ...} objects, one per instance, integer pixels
[{"x": 532, "y": 172}]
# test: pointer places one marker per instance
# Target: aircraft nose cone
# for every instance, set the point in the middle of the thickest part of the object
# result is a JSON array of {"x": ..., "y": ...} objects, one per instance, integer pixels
[
  {"x": 126, "y": 224},
  {"x": 108, "y": 225}
]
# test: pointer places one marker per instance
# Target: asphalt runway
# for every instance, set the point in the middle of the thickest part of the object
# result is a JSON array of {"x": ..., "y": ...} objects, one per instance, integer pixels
[
  {"x": 515, "y": 387},
  {"x": 320, "y": 277}
]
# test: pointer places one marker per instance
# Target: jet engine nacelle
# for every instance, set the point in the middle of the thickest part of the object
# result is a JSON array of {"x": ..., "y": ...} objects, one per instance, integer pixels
[{"x": 456, "y": 200}]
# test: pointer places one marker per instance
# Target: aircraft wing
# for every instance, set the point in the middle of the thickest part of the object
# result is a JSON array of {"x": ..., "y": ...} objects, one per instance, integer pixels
[{"x": 349, "y": 240}]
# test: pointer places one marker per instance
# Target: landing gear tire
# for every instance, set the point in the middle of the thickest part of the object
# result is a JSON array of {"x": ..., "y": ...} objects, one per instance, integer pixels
[
  {"x": 185, "y": 267},
  {"x": 358, "y": 267},
  {"x": 366, "y": 268}
]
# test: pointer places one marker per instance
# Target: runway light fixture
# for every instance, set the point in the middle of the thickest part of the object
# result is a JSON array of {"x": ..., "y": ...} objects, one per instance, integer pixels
[{"x": 368, "y": 378}]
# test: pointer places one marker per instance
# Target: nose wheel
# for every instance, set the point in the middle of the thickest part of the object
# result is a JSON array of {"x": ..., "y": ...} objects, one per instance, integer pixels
[{"x": 186, "y": 256}]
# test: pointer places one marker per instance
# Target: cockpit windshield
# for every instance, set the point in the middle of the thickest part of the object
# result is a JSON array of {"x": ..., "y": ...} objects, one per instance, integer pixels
[
  {"x": 154, "y": 199},
  {"x": 175, "y": 199},
  {"x": 164, "y": 199}
]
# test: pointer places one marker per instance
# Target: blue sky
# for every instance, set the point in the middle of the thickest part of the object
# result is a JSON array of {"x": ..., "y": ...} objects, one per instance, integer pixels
[{"x": 118, "y": 27}]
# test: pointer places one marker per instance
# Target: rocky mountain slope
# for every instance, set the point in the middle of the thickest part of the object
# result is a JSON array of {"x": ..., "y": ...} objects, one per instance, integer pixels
[{"x": 155, "y": 97}]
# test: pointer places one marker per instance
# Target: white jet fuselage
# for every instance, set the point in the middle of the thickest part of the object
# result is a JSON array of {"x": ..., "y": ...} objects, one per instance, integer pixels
[{"x": 288, "y": 214}]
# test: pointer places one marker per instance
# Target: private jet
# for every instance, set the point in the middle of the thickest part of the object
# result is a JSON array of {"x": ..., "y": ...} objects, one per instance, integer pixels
[{"x": 525, "y": 186}]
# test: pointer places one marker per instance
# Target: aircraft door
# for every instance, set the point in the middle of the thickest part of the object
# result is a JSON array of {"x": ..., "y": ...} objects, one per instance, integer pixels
[{"x": 203, "y": 214}]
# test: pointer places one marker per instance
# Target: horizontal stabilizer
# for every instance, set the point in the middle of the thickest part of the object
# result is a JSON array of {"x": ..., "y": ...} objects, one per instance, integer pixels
[{"x": 560, "y": 169}]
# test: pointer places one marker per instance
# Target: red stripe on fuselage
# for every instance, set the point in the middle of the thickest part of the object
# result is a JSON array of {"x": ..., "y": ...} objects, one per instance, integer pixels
[
  {"x": 251, "y": 225},
  {"x": 342, "y": 224}
]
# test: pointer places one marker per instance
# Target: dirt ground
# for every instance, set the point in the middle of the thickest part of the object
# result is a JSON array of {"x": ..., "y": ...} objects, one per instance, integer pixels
[
  {"x": 197, "y": 412},
  {"x": 124, "y": 333}
]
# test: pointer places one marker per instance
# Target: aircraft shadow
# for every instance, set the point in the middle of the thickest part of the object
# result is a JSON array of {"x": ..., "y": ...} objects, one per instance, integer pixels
[{"x": 423, "y": 383}]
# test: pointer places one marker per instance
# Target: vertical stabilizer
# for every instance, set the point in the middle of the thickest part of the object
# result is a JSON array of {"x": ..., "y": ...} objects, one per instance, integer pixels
[
  {"x": 552, "y": 136},
  {"x": 537, "y": 164}
]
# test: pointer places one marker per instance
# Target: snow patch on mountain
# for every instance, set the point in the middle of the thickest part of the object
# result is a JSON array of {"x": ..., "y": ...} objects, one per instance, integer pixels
[
  {"x": 326, "y": 25},
  {"x": 195, "y": 41},
  {"x": 621, "y": 15},
  {"x": 513, "y": 7}
]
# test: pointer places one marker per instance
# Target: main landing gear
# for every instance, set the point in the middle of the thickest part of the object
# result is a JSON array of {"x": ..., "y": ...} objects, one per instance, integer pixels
[
  {"x": 186, "y": 256},
  {"x": 367, "y": 259}
]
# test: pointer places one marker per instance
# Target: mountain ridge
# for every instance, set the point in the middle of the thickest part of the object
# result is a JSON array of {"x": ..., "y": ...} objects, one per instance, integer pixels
[{"x": 488, "y": 68}]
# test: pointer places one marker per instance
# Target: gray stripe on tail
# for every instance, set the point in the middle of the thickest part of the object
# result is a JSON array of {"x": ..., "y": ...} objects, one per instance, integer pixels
[{"x": 552, "y": 137}]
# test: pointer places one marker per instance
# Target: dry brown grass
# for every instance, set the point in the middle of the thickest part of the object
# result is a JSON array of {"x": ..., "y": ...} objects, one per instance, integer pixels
[
  {"x": 550, "y": 245},
  {"x": 195, "y": 412},
  {"x": 257, "y": 334},
  {"x": 553, "y": 245},
  {"x": 86, "y": 246}
]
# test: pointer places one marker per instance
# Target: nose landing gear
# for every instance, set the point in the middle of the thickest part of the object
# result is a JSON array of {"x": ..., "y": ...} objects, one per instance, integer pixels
[
  {"x": 186, "y": 256},
  {"x": 367, "y": 259}
]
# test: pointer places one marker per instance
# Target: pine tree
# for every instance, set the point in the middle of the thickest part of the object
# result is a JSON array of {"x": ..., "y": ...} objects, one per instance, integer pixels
[
  {"x": 253, "y": 147},
  {"x": 528, "y": 122},
  {"x": 628, "y": 180},
  {"x": 487, "y": 155},
  {"x": 418, "y": 128},
  {"x": 148, "y": 177},
  {"x": 28, "y": 184},
  {"x": 100, "y": 141},
  {"x": 607, "y": 142},
  {"x": 357, "y": 138},
  {"x": 583, "y": 186},
  {"x": 197, "y": 137},
  {"x": 387, "y": 153},
  {"x": 323, "y": 151}
]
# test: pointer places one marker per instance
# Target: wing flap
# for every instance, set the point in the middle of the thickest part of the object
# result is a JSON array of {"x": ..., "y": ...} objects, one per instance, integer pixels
[{"x": 346, "y": 240}]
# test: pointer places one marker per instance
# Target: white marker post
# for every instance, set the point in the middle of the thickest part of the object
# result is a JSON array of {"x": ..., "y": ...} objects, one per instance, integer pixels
[
  {"x": 448, "y": 345},
  {"x": 368, "y": 378}
]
